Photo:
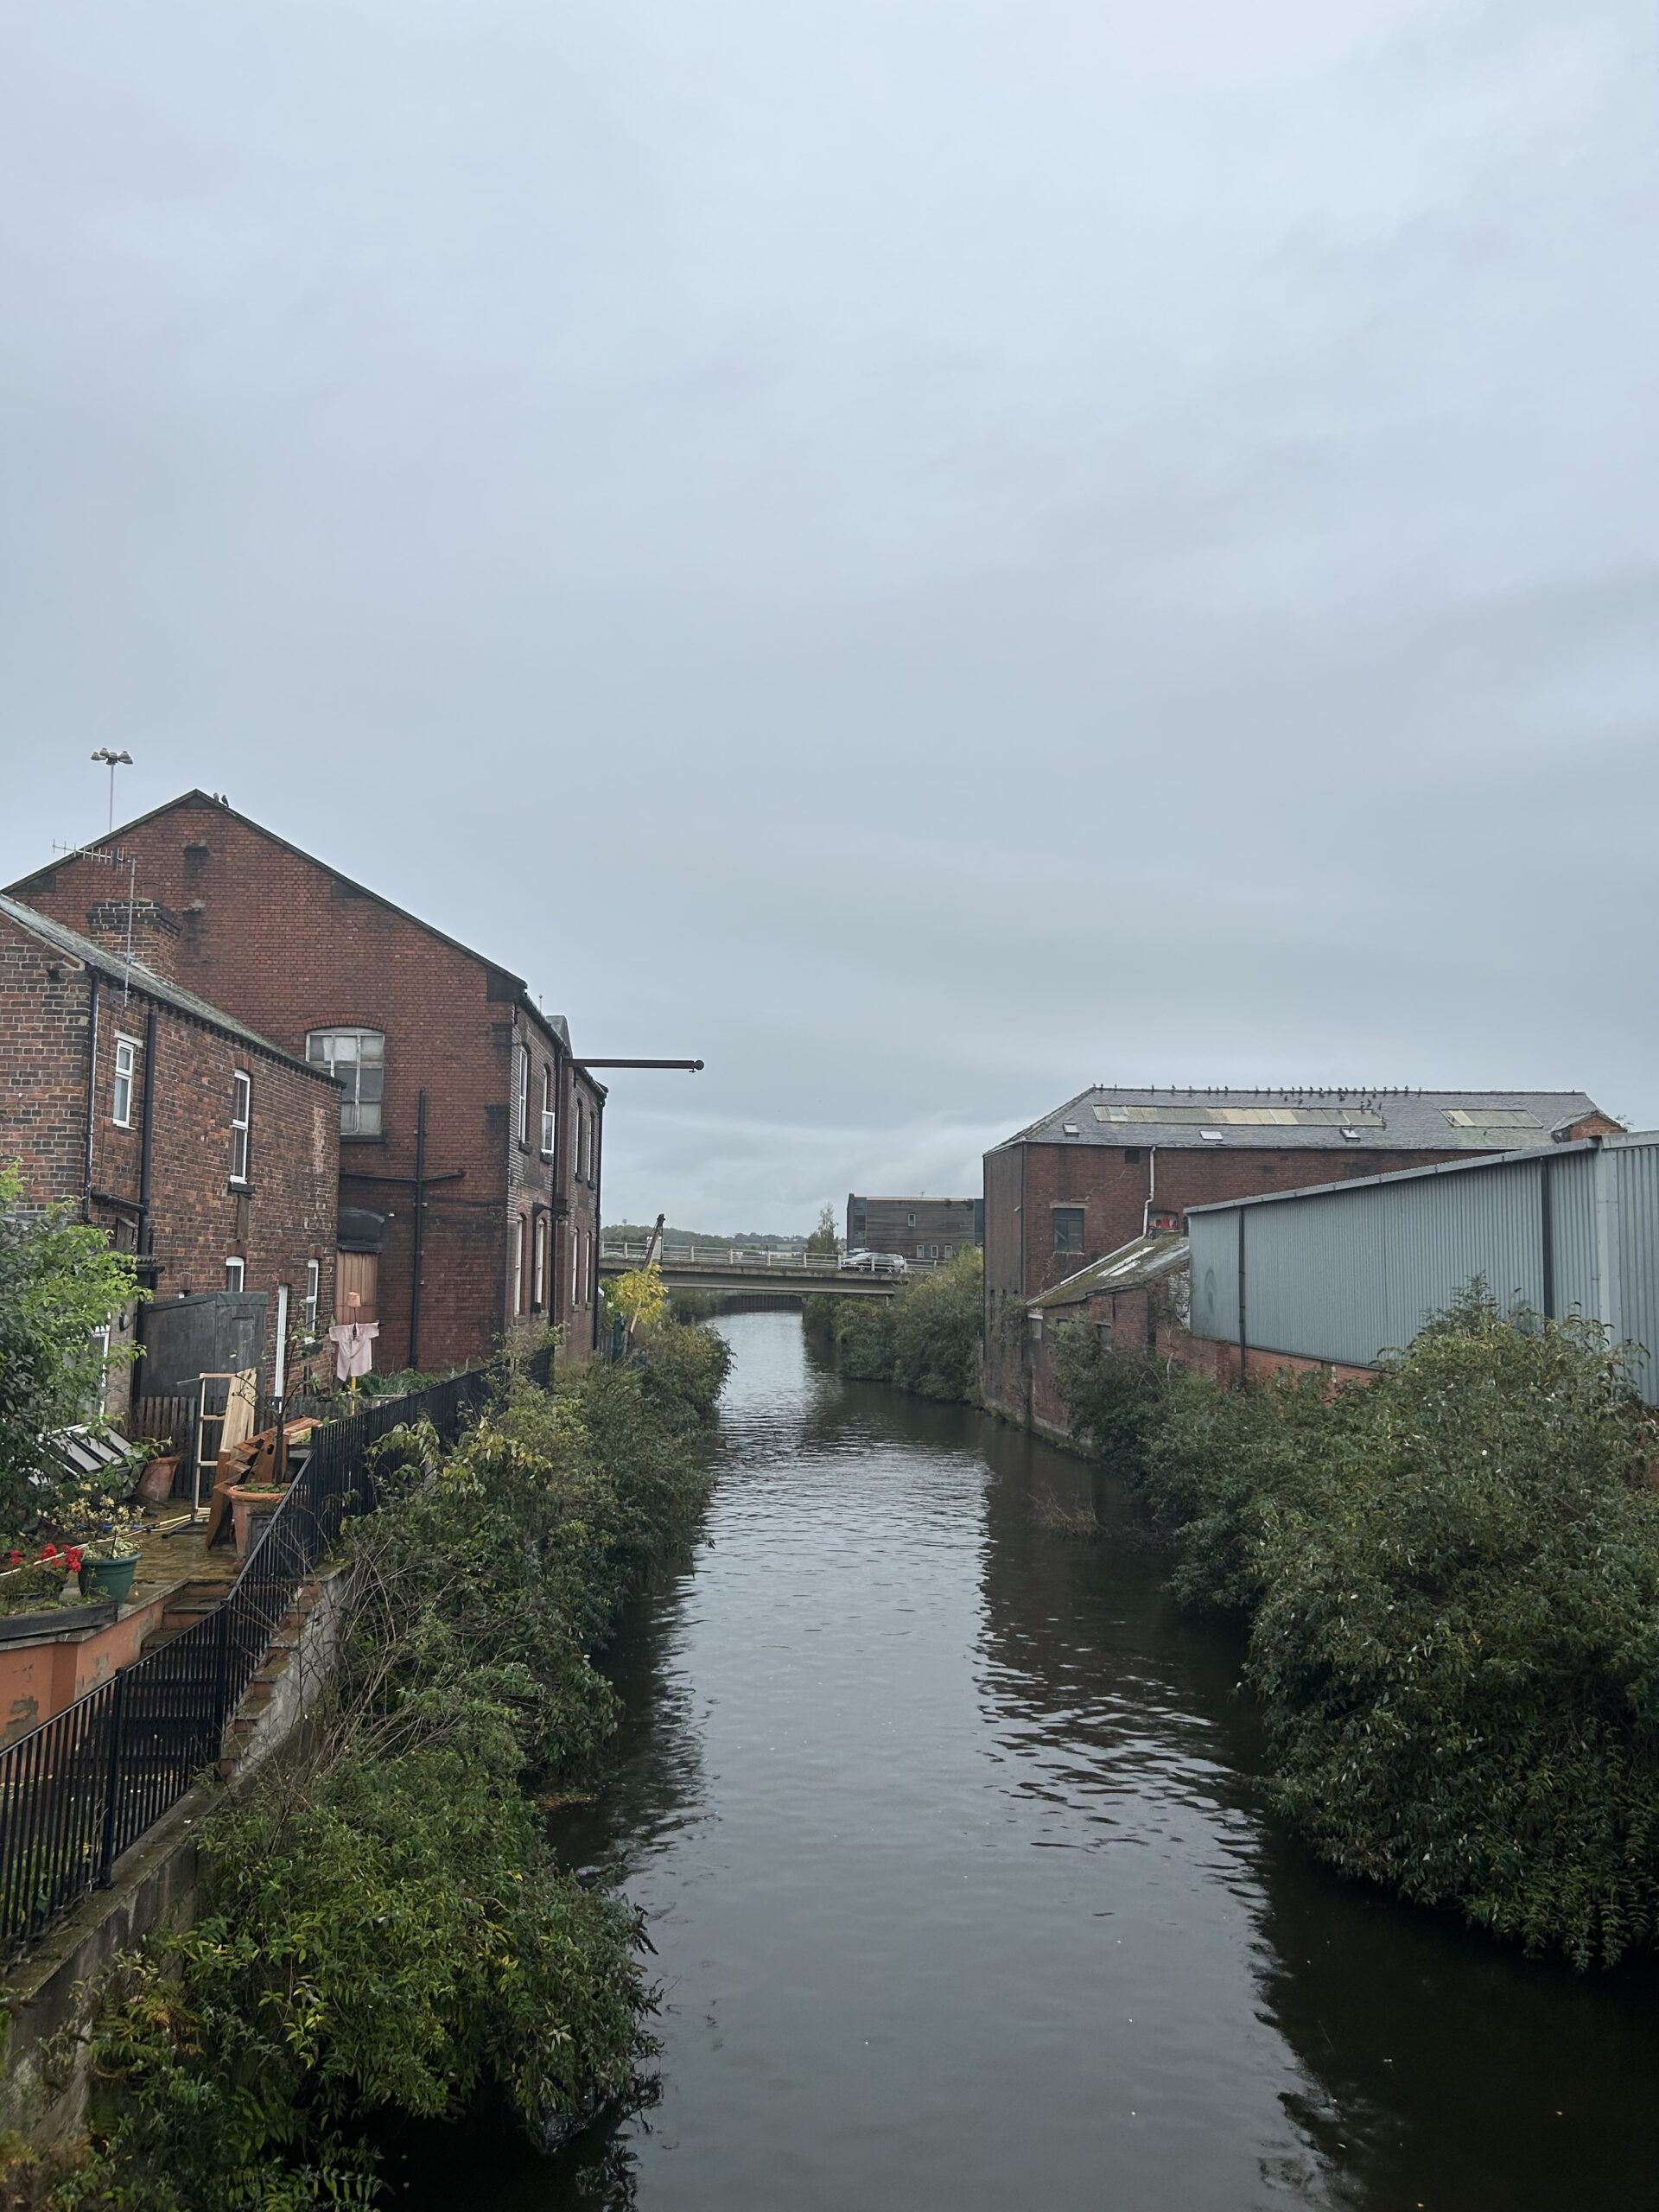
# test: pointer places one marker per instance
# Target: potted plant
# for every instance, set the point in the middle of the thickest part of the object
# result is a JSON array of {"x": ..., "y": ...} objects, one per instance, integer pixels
[
  {"x": 39, "y": 1597},
  {"x": 251, "y": 1506},
  {"x": 109, "y": 1552}
]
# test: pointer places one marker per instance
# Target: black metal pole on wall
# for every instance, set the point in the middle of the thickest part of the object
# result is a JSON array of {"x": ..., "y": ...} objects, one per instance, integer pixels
[{"x": 420, "y": 1232}]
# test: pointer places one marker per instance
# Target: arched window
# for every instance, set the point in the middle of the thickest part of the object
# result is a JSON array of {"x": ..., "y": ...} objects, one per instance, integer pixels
[{"x": 357, "y": 1060}]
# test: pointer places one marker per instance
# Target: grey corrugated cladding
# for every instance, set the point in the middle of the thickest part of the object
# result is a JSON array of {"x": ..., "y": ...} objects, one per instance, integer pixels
[
  {"x": 1346, "y": 1273},
  {"x": 1382, "y": 1121}
]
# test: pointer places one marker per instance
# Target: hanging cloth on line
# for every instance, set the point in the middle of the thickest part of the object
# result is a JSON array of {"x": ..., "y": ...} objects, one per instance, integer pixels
[{"x": 354, "y": 1348}]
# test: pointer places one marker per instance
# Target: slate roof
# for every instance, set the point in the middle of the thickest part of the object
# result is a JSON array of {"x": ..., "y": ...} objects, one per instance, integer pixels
[
  {"x": 1311, "y": 1120},
  {"x": 1141, "y": 1262},
  {"x": 115, "y": 968}
]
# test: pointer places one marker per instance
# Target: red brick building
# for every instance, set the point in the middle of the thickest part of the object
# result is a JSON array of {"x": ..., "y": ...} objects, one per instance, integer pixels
[
  {"x": 1113, "y": 1163},
  {"x": 198, "y": 1144},
  {"x": 470, "y": 1141},
  {"x": 917, "y": 1228}
]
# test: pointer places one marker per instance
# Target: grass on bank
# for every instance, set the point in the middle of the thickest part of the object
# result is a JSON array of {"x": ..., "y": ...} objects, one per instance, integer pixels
[
  {"x": 1451, "y": 1579},
  {"x": 924, "y": 1338},
  {"x": 384, "y": 1929}
]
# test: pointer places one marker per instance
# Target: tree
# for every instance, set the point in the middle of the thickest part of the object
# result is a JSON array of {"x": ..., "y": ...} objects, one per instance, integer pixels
[
  {"x": 59, "y": 1279},
  {"x": 823, "y": 1240}
]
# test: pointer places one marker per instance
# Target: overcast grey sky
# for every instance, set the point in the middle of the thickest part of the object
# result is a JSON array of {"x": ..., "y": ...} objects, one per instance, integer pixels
[{"x": 929, "y": 551}]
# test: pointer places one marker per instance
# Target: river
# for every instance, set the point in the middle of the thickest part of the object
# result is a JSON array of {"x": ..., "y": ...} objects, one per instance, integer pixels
[{"x": 951, "y": 1836}]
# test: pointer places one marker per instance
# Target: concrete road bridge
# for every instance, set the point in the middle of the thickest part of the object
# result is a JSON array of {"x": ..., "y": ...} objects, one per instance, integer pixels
[{"x": 730, "y": 1266}]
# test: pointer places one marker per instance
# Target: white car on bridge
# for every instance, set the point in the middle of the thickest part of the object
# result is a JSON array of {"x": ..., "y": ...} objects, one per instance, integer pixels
[{"x": 874, "y": 1263}]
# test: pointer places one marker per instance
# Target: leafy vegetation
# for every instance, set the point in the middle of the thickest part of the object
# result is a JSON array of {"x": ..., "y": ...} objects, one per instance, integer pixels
[
  {"x": 59, "y": 1279},
  {"x": 385, "y": 1930},
  {"x": 924, "y": 1339},
  {"x": 1450, "y": 1578}
]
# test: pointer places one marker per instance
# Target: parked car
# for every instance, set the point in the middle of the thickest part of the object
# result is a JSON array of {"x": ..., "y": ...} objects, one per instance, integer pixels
[{"x": 874, "y": 1263}]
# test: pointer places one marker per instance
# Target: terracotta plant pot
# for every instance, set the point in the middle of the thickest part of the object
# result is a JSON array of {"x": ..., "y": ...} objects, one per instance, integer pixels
[
  {"x": 250, "y": 1510},
  {"x": 155, "y": 1483},
  {"x": 108, "y": 1578}
]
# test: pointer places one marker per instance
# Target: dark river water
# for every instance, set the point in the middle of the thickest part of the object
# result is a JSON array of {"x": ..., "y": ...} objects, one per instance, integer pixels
[{"x": 951, "y": 1835}]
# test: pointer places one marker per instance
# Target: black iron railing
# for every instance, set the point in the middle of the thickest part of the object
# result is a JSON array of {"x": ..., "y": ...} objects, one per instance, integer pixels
[{"x": 84, "y": 1787}]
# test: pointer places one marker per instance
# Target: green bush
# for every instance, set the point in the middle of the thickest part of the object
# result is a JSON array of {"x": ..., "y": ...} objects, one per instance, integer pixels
[
  {"x": 384, "y": 1929},
  {"x": 1452, "y": 1578},
  {"x": 924, "y": 1339}
]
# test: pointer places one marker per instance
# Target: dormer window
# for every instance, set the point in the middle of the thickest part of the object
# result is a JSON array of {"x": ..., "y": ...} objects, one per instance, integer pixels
[{"x": 357, "y": 1060}]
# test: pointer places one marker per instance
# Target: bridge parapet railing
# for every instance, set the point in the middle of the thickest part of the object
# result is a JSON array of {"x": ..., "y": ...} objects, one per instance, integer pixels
[{"x": 747, "y": 1259}]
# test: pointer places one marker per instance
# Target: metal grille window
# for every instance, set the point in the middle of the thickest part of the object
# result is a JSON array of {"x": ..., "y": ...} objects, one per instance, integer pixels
[
  {"x": 126, "y": 1055},
  {"x": 357, "y": 1060},
  {"x": 312, "y": 1285},
  {"x": 547, "y": 1114},
  {"x": 1068, "y": 1228},
  {"x": 241, "y": 1123}
]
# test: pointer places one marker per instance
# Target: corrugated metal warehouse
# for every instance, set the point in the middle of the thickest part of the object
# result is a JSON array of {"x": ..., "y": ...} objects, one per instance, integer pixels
[{"x": 1346, "y": 1271}]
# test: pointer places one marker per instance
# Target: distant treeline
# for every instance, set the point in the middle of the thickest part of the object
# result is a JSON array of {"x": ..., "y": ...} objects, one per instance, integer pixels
[{"x": 640, "y": 1232}]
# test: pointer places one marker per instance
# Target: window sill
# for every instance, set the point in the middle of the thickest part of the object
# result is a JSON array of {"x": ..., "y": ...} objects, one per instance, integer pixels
[{"x": 359, "y": 1137}]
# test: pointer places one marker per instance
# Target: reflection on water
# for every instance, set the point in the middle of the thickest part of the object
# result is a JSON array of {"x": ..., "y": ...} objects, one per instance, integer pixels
[{"x": 951, "y": 1838}]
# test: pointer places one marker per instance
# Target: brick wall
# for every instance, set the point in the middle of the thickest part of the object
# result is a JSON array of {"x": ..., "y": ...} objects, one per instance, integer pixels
[
  {"x": 284, "y": 1215},
  {"x": 902, "y": 1225},
  {"x": 281, "y": 941}
]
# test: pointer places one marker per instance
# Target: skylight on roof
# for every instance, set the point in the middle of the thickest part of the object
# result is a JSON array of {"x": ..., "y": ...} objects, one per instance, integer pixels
[
  {"x": 1490, "y": 1117},
  {"x": 1211, "y": 1136},
  {"x": 1178, "y": 1114}
]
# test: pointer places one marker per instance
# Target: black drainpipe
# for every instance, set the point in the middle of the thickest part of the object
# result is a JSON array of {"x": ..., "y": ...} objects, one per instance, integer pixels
[
  {"x": 420, "y": 1232},
  {"x": 146, "y": 1154},
  {"x": 599, "y": 1154},
  {"x": 91, "y": 1089}
]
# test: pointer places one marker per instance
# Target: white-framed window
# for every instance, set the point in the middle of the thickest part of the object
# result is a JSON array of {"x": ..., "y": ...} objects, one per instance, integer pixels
[
  {"x": 587, "y": 1269},
  {"x": 921, "y": 1251},
  {"x": 576, "y": 1270},
  {"x": 521, "y": 1091},
  {"x": 518, "y": 1264},
  {"x": 576, "y": 1143},
  {"x": 538, "y": 1265},
  {"x": 547, "y": 1114},
  {"x": 126, "y": 1061},
  {"x": 357, "y": 1060},
  {"x": 241, "y": 1123},
  {"x": 236, "y": 1275},
  {"x": 313, "y": 1292}
]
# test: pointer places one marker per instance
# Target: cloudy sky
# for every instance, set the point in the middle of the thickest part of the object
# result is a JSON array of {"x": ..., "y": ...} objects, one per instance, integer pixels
[{"x": 928, "y": 551}]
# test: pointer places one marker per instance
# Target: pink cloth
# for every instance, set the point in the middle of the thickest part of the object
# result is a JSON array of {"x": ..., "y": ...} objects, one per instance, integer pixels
[{"x": 354, "y": 1348}]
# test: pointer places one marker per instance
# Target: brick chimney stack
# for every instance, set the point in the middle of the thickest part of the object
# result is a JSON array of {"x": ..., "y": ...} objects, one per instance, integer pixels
[{"x": 156, "y": 932}]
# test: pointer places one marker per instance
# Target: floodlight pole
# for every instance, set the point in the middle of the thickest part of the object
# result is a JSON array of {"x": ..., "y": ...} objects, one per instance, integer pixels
[{"x": 115, "y": 761}]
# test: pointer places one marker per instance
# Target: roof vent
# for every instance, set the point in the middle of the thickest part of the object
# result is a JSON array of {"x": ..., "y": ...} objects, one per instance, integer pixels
[
  {"x": 1071, "y": 1129},
  {"x": 1211, "y": 1136},
  {"x": 1350, "y": 1136}
]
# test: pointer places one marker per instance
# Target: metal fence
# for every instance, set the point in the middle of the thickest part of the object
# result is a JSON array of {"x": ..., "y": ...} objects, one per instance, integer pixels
[
  {"x": 1344, "y": 1273},
  {"x": 83, "y": 1787}
]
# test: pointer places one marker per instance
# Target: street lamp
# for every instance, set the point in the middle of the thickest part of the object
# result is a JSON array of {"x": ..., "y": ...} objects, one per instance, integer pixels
[{"x": 116, "y": 761}]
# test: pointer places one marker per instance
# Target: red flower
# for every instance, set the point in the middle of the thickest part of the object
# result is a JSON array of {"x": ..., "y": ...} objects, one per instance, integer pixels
[
  {"x": 49, "y": 1552},
  {"x": 74, "y": 1557},
  {"x": 14, "y": 1559}
]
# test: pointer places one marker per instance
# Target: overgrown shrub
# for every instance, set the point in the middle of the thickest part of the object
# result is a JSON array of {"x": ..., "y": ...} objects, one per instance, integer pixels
[
  {"x": 924, "y": 1339},
  {"x": 1451, "y": 1577},
  {"x": 385, "y": 1930}
]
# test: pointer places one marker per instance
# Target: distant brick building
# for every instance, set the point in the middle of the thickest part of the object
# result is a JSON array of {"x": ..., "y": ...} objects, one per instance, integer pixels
[
  {"x": 453, "y": 1085},
  {"x": 201, "y": 1147},
  {"x": 1113, "y": 1163},
  {"x": 917, "y": 1228}
]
